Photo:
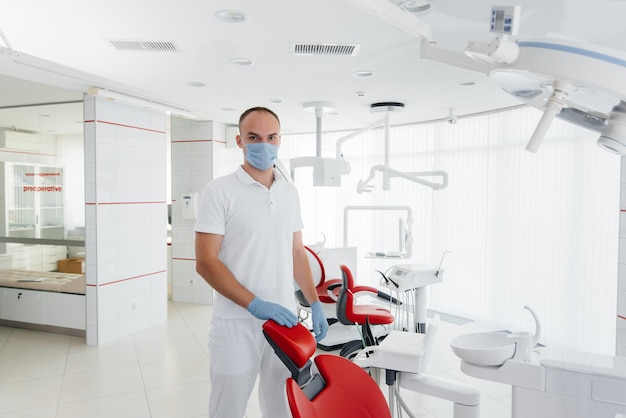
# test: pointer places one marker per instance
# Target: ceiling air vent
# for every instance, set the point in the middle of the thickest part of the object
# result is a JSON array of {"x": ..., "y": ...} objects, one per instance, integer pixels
[
  {"x": 148, "y": 46},
  {"x": 324, "y": 49}
]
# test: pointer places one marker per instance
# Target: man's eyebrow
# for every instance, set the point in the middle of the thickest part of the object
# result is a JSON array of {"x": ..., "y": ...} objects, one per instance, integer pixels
[{"x": 255, "y": 134}]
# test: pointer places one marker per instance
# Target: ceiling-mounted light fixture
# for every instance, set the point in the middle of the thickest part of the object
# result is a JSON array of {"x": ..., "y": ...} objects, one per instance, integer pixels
[
  {"x": 138, "y": 101},
  {"x": 451, "y": 118},
  {"x": 326, "y": 171},
  {"x": 613, "y": 138},
  {"x": 230, "y": 16}
]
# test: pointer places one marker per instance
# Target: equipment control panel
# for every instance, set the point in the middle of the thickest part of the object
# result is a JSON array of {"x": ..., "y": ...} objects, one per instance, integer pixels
[
  {"x": 404, "y": 277},
  {"x": 505, "y": 19}
]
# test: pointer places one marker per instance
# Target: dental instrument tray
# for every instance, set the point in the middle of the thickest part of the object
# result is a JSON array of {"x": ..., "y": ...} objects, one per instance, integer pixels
[{"x": 404, "y": 277}]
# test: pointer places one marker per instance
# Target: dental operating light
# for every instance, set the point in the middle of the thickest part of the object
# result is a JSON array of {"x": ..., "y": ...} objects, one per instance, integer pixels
[{"x": 613, "y": 138}]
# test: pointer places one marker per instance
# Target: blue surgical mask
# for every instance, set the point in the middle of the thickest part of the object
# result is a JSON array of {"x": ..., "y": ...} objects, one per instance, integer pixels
[{"x": 261, "y": 155}]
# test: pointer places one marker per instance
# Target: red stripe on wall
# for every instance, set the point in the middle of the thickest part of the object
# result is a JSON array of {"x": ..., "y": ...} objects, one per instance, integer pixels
[
  {"x": 125, "y": 203},
  {"x": 127, "y": 279},
  {"x": 27, "y": 153},
  {"x": 195, "y": 140},
  {"x": 125, "y": 126}
]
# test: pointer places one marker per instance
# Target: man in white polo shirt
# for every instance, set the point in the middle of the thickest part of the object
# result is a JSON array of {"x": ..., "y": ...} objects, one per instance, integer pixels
[{"x": 249, "y": 249}]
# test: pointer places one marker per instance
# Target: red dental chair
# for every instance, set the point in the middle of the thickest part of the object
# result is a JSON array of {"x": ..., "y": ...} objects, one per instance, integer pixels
[
  {"x": 338, "y": 388},
  {"x": 328, "y": 290},
  {"x": 351, "y": 313}
]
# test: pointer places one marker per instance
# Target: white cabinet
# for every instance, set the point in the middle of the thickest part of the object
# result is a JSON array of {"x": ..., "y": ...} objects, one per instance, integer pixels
[
  {"x": 64, "y": 310},
  {"x": 34, "y": 257},
  {"x": 43, "y": 308},
  {"x": 21, "y": 305},
  {"x": 32, "y": 198}
]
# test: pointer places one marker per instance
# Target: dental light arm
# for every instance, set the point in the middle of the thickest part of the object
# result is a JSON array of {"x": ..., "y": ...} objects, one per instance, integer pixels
[
  {"x": 340, "y": 141},
  {"x": 555, "y": 103},
  {"x": 364, "y": 186}
]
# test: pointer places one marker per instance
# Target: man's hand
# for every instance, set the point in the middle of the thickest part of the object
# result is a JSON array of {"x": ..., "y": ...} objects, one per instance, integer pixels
[
  {"x": 320, "y": 324},
  {"x": 268, "y": 310}
]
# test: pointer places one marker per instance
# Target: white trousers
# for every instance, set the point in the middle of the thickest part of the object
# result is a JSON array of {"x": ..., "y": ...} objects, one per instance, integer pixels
[{"x": 238, "y": 354}]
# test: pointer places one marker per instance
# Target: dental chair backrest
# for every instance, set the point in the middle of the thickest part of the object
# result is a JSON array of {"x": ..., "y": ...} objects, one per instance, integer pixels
[
  {"x": 338, "y": 387},
  {"x": 349, "y": 312},
  {"x": 346, "y": 298},
  {"x": 319, "y": 275}
]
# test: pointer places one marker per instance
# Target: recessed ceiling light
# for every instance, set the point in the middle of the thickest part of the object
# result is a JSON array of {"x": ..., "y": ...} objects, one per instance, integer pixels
[
  {"x": 230, "y": 16},
  {"x": 241, "y": 61},
  {"x": 415, "y": 6},
  {"x": 275, "y": 101},
  {"x": 227, "y": 109},
  {"x": 195, "y": 84},
  {"x": 363, "y": 73}
]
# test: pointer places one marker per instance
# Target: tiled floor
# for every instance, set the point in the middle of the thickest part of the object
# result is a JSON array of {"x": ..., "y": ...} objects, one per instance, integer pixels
[{"x": 163, "y": 372}]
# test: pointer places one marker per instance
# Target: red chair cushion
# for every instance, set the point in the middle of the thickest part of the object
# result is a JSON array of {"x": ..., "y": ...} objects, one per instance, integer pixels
[
  {"x": 349, "y": 393},
  {"x": 360, "y": 313}
]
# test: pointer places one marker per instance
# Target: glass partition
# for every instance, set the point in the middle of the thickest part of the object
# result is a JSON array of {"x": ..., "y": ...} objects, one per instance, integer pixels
[{"x": 42, "y": 187}]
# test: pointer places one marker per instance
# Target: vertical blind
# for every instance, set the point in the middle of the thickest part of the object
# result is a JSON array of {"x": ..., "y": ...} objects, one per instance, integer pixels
[{"x": 523, "y": 229}]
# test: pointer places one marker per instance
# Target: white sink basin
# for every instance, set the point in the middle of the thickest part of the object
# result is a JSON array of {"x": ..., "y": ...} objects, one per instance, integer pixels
[{"x": 484, "y": 348}]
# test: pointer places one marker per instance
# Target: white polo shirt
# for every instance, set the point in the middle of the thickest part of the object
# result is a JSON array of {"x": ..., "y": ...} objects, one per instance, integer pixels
[{"x": 258, "y": 226}]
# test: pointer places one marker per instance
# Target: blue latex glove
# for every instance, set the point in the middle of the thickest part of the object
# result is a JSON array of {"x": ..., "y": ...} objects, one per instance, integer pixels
[
  {"x": 268, "y": 310},
  {"x": 320, "y": 324}
]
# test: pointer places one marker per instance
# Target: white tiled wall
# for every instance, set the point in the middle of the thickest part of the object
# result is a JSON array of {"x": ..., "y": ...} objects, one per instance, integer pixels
[
  {"x": 195, "y": 148},
  {"x": 621, "y": 294},
  {"x": 126, "y": 234}
]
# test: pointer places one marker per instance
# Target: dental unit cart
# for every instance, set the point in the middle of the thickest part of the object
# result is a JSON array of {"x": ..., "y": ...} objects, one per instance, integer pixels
[{"x": 413, "y": 278}]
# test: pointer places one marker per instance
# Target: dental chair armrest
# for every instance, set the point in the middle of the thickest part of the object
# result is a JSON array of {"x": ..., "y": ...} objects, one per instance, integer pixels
[
  {"x": 364, "y": 289},
  {"x": 330, "y": 290}
]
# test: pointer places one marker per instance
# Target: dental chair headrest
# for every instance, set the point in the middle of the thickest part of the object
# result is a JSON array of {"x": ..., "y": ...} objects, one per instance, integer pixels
[{"x": 297, "y": 342}]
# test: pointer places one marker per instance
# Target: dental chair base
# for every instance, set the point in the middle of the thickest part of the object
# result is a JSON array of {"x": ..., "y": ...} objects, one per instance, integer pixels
[{"x": 560, "y": 383}]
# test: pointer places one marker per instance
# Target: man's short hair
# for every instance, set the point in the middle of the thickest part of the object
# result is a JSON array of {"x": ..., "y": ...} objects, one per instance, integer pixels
[{"x": 257, "y": 109}]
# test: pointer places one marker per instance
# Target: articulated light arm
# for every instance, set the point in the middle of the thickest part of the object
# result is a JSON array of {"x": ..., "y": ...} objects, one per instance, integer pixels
[{"x": 364, "y": 185}]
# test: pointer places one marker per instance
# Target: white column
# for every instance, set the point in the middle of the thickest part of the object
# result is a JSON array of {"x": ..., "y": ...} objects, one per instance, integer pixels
[
  {"x": 193, "y": 166},
  {"x": 126, "y": 219},
  {"x": 620, "y": 348}
]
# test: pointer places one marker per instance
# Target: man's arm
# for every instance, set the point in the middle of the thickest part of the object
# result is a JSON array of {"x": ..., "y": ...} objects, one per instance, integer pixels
[
  {"x": 302, "y": 269},
  {"x": 215, "y": 273}
]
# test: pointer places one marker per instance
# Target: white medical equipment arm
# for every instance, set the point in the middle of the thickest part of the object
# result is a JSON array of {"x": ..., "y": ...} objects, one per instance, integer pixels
[
  {"x": 340, "y": 141},
  {"x": 555, "y": 103},
  {"x": 364, "y": 186}
]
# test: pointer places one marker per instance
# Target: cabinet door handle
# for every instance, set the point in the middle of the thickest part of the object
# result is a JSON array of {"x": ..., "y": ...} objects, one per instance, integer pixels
[{"x": 19, "y": 295}]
